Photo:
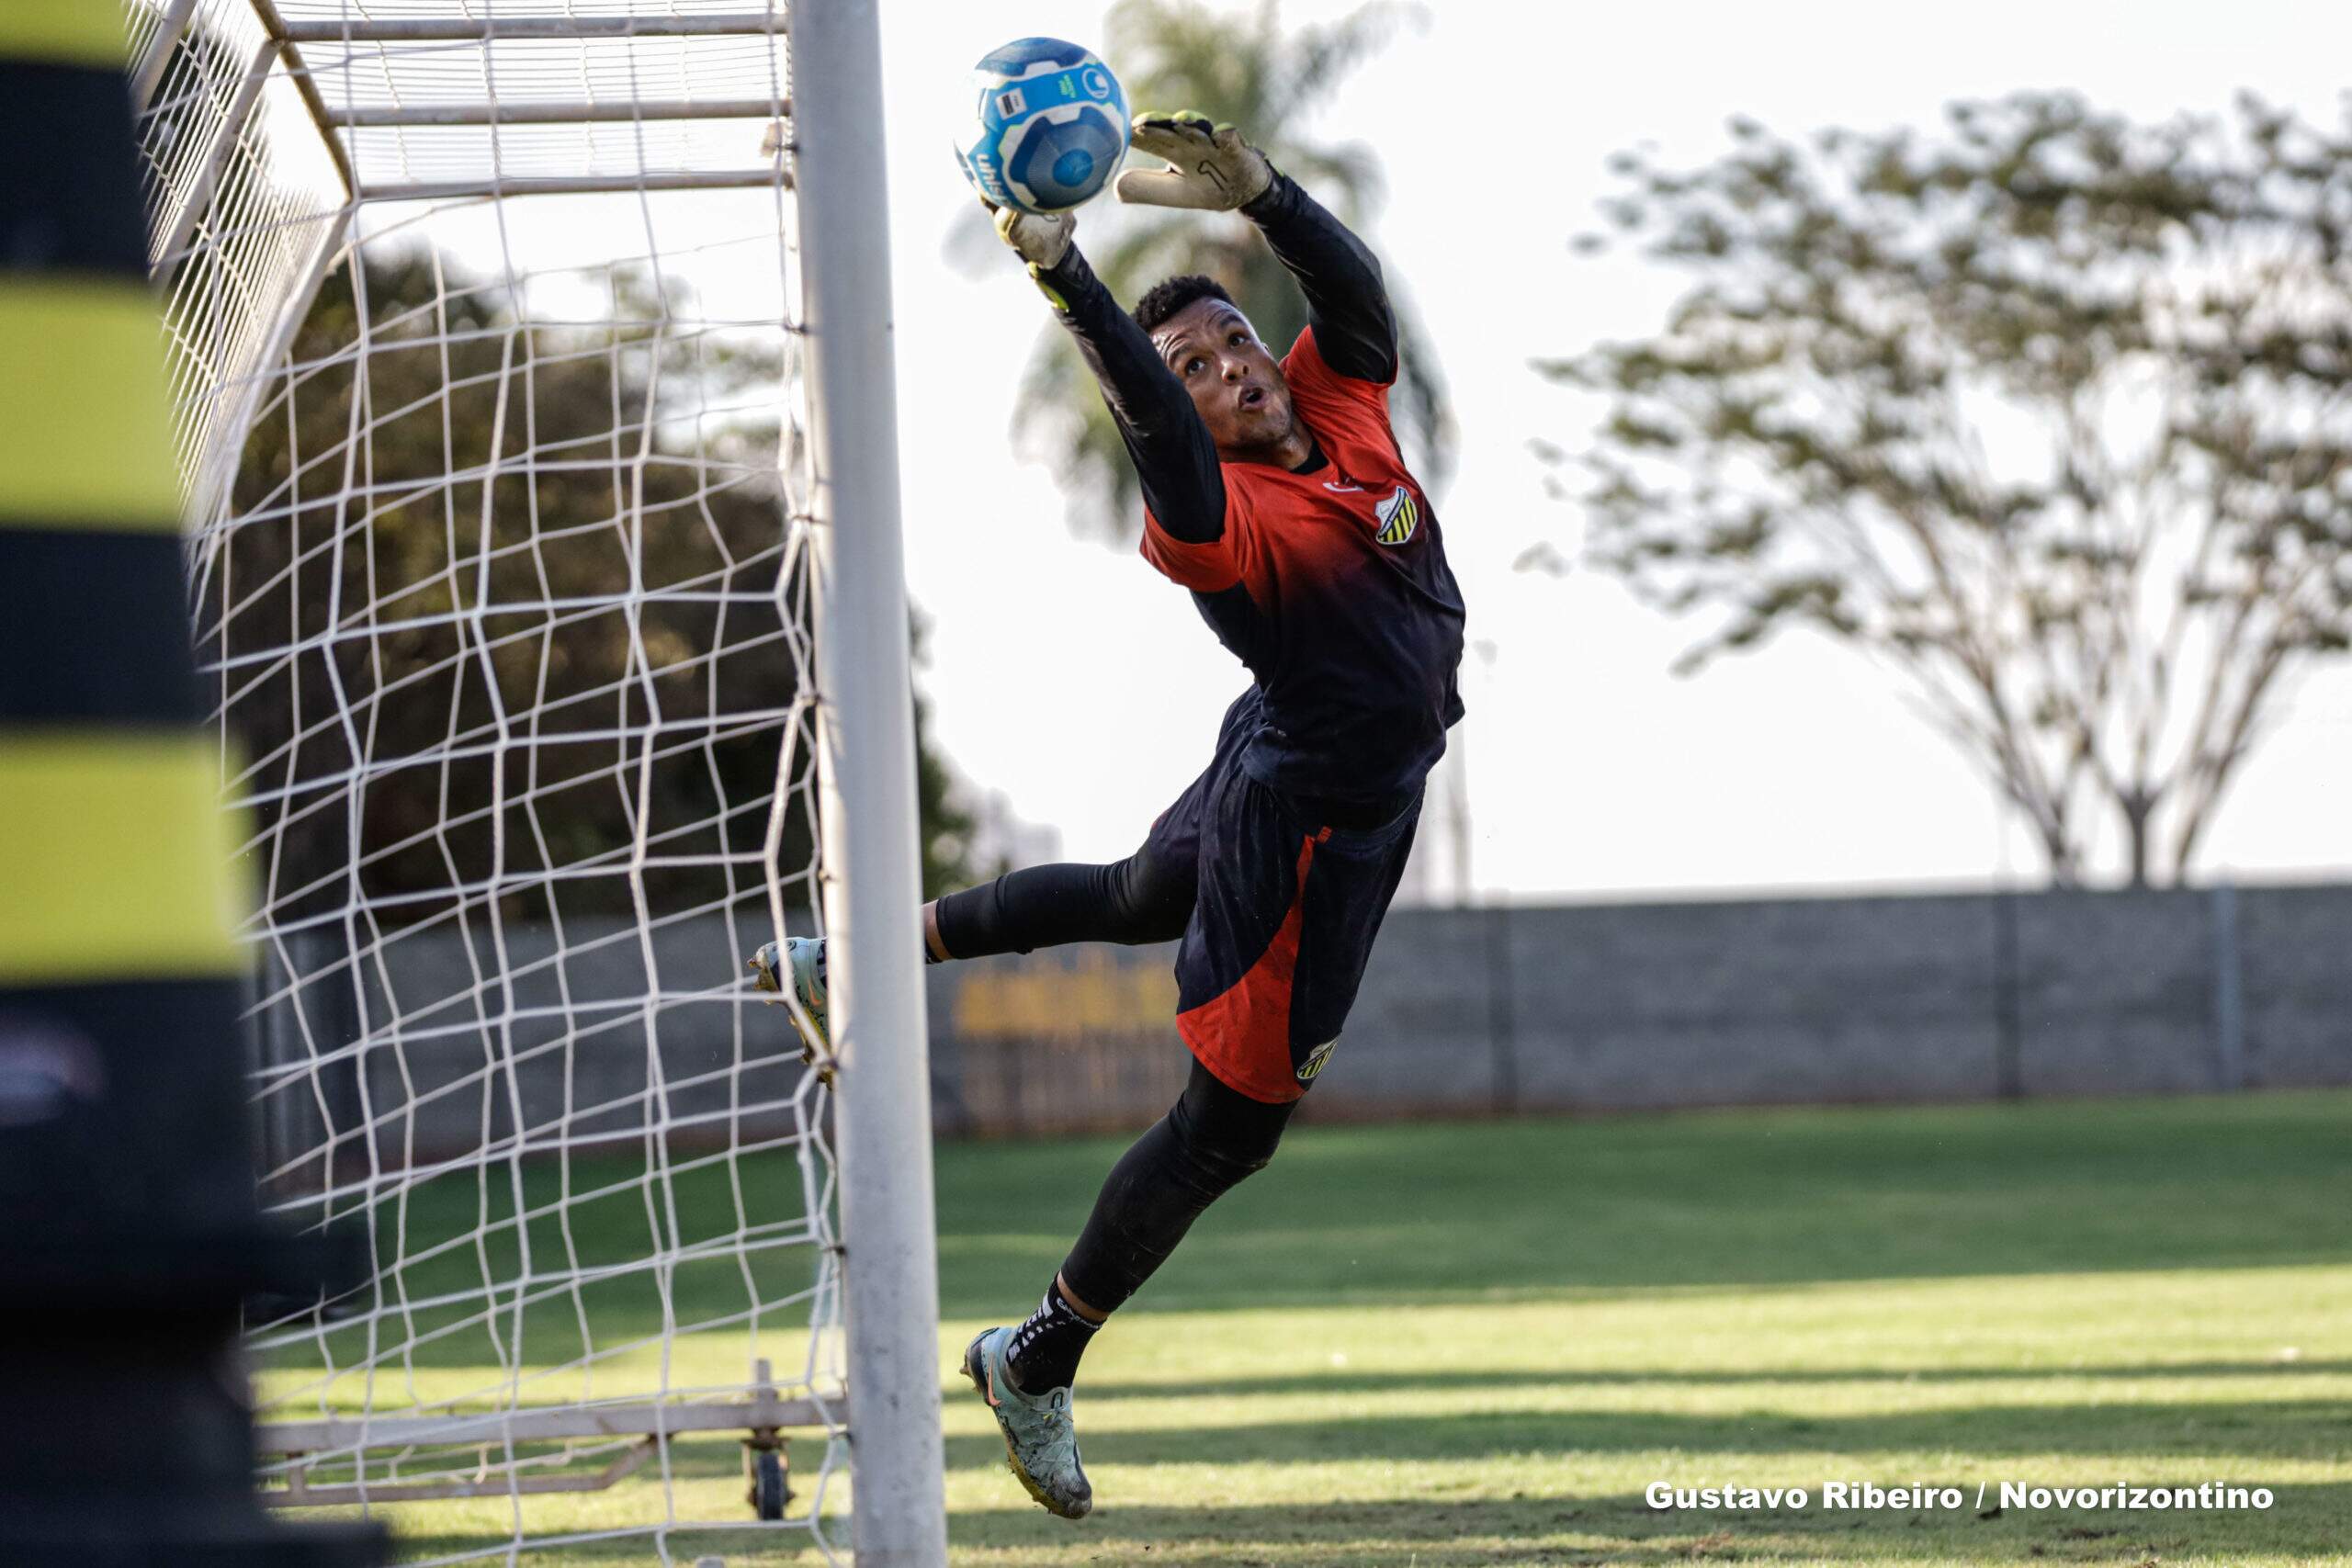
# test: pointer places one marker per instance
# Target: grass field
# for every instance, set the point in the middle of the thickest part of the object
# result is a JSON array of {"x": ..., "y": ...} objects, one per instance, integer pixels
[{"x": 1423, "y": 1346}]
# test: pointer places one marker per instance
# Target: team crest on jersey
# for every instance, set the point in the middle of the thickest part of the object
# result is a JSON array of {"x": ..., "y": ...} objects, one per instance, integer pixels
[
  {"x": 1400, "y": 515},
  {"x": 1315, "y": 1058}
]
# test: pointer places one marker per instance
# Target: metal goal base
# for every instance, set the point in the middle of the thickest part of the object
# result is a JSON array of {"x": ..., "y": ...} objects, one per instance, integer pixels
[{"x": 763, "y": 1418}]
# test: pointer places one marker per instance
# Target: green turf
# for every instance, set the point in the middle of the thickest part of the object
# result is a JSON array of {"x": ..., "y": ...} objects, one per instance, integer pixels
[{"x": 1421, "y": 1346}]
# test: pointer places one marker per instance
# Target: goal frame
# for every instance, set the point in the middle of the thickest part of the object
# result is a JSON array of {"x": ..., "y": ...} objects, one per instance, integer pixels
[
  {"x": 834, "y": 164},
  {"x": 763, "y": 1418},
  {"x": 873, "y": 869}
]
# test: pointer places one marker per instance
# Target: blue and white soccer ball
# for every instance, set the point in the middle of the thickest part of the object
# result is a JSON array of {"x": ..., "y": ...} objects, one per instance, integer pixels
[{"x": 1053, "y": 126}]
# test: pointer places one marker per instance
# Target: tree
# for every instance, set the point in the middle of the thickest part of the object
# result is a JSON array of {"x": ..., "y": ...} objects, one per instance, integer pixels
[
  {"x": 2047, "y": 412},
  {"x": 1175, "y": 54},
  {"x": 344, "y": 594}
]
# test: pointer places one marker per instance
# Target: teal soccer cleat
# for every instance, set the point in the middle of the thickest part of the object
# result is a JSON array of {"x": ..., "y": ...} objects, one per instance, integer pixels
[
  {"x": 1038, "y": 1437},
  {"x": 800, "y": 960}
]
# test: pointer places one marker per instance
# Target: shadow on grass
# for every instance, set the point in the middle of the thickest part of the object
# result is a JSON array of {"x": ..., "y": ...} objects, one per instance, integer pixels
[
  {"x": 2252, "y": 1432},
  {"x": 1618, "y": 1529},
  {"x": 694, "y": 1460},
  {"x": 1345, "y": 1382},
  {"x": 1414, "y": 1212},
  {"x": 1564, "y": 1527},
  {"x": 788, "y": 1542}
]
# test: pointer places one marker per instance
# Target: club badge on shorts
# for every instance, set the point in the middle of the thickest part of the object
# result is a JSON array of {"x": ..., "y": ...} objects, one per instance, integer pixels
[{"x": 1315, "y": 1058}]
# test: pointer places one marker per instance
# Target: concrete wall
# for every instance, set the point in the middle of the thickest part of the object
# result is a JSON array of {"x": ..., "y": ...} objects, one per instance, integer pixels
[
  {"x": 1589, "y": 1006},
  {"x": 1758, "y": 1002}
]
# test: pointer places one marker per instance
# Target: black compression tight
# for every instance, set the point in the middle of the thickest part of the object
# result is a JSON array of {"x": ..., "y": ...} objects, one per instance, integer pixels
[
  {"x": 1210, "y": 1141},
  {"x": 1131, "y": 901},
  {"x": 1212, "y": 1138}
]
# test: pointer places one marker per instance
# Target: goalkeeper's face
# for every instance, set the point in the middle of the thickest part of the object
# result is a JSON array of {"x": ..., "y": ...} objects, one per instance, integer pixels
[{"x": 1235, "y": 383}]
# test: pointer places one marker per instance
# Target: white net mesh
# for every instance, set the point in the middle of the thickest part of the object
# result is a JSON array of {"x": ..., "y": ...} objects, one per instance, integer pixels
[{"x": 502, "y": 595}]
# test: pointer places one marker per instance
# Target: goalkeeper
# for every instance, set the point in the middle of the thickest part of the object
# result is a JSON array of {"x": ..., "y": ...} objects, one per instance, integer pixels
[{"x": 1275, "y": 492}]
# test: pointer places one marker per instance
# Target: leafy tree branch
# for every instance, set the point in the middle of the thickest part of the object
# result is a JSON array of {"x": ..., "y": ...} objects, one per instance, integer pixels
[{"x": 2047, "y": 412}]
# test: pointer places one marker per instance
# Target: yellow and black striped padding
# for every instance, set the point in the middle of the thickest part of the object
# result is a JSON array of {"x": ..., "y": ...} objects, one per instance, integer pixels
[
  {"x": 112, "y": 850},
  {"x": 128, "y": 1229},
  {"x": 62, "y": 32}
]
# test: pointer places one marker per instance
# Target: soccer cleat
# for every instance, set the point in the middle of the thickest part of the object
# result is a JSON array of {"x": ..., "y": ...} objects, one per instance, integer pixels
[
  {"x": 801, "y": 960},
  {"x": 1039, "y": 1440}
]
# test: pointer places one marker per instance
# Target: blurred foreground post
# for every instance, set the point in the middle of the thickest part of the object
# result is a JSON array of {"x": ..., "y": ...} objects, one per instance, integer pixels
[{"x": 129, "y": 1231}]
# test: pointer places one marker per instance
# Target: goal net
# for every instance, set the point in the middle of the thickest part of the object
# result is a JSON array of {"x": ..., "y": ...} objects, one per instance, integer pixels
[{"x": 483, "y": 326}]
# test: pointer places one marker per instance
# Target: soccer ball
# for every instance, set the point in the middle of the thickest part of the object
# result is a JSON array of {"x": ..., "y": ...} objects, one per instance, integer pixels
[{"x": 1053, "y": 126}]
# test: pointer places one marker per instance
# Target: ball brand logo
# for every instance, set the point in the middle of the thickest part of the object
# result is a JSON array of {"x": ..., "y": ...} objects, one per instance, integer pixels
[
  {"x": 1098, "y": 85},
  {"x": 1315, "y": 1058},
  {"x": 984, "y": 169},
  {"x": 1400, "y": 515}
]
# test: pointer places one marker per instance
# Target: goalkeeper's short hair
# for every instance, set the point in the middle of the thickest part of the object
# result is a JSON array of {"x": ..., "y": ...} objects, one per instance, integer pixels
[{"x": 1166, "y": 298}]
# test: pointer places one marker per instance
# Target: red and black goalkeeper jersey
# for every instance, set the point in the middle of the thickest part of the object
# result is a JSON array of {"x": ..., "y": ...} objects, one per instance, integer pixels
[{"x": 1329, "y": 584}]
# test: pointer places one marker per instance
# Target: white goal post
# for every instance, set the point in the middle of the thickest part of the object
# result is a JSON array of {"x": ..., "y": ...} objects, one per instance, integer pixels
[{"x": 532, "y": 362}]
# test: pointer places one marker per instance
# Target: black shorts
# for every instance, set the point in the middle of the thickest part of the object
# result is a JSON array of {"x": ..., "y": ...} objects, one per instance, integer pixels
[{"x": 1285, "y": 906}]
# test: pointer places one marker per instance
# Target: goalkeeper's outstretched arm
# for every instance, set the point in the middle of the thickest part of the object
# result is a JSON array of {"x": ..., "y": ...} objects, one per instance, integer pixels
[
  {"x": 1347, "y": 303},
  {"x": 1174, "y": 457},
  {"x": 1215, "y": 168}
]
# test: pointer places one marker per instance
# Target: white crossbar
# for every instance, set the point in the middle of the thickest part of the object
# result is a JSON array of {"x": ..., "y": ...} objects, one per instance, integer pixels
[
  {"x": 465, "y": 30},
  {"x": 566, "y": 113}
]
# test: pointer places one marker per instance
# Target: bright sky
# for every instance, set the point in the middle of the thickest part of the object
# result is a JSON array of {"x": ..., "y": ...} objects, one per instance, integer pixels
[{"x": 1071, "y": 678}]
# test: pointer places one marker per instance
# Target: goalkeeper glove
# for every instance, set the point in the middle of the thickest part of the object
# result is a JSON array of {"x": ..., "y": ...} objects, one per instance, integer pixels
[
  {"x": 1213, "y": 168},
  {"x": 1039, "y": 239}
]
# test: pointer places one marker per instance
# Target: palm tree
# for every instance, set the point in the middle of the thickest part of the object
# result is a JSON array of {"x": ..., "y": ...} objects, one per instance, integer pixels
[{"x": 1180, "y": 54}]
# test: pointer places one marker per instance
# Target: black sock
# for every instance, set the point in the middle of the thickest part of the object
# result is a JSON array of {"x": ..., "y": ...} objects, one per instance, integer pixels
[{"x": 1044, "y": 1350}]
